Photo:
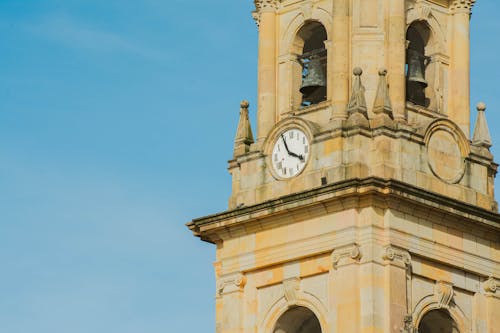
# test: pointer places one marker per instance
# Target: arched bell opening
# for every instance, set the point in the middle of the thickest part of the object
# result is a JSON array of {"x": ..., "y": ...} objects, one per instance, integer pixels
[
  {"x": 437, "y": 321},
  {"x": 311, "y": 52},
  {"x": 298, "y": 320},
  {"x": 417, "y": 64}
]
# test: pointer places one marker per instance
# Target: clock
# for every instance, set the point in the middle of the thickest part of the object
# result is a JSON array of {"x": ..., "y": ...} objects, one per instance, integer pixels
[{"x": 290, "y": 153}]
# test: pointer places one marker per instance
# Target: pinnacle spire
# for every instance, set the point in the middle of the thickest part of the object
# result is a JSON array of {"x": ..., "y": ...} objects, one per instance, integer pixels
[
  {"x": 382, "y": 105},
  {"x": 244, "y": 135},
  {"x": 481, "y": 132},
  {"x": 357, "y": 103},
  {"x": 356, "y": 109}
]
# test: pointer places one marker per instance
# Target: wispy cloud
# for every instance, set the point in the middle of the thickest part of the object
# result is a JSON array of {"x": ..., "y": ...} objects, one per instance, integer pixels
[{"x": 72, "y": 33}]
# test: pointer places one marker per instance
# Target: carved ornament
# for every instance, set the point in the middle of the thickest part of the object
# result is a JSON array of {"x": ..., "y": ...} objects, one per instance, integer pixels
[
  {"x": 443, "y": 293},
  {"x": 424, "y": 11},
  {"x": 231, "y": 284},
  {"x": 392, "y": 254},
  {"x": 492, "y": 287},
  {"x": 351, "y": 251},
  {"x": 266, "y": 4},
  {"x": 307, "y": 10},
  {"x": 263, "y": 6},
  {"x": 462, "y": 5},
  {"x": 408, "y": 325},
  {"x": 291, "y": 290}
]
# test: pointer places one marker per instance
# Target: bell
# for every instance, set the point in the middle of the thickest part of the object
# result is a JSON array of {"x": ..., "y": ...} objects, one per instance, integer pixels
[
  {"x": 313, "y": 86},
  {"x": 416, "y": 68}
]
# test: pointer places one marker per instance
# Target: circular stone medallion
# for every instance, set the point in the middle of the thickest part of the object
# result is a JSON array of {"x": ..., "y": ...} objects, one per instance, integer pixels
[{"x": 445, "y": 157}]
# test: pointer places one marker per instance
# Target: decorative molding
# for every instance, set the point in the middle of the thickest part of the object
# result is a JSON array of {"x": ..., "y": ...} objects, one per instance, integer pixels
[
  {"x": 231, "y": 284},
  {"x": 443, "y": 292},
  {"x": 291, "y": 289},
  {"x": 444, "y": 130},
  {"x": 492, "y": 287},
  {"x": 261, "y": 5},
  {"x": 462, "y": 5},
  {"x": 264, "y": 5},
  {"x": 256, "y": 18},
  {"x": 351, "y": 251}
]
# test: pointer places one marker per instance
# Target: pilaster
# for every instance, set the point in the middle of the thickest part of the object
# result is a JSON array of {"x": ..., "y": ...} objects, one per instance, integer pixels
[
  {"x": 267, "y": 64},
  {"x": 396, "y": 58},
  {"x": 340, "y": 64},
  {"x": 230, "y": 303},
  {"x": 459, "y": 101}
]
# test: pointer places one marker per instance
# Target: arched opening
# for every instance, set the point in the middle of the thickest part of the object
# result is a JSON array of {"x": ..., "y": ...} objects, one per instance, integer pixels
[
  {"x": 312, "y": 58},
  {"x": 417, "y": 64},
  {"x": 437, "y": 321},
  {"x": 298, "y": 320}
]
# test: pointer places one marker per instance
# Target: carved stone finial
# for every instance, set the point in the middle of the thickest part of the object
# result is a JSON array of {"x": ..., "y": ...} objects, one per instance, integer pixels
[
  {"x": 481, "y": 136},
  {"x": 382, "y": 104},
  {"x": 244, "y": 135},
  {"x": 356, "y": 109}
]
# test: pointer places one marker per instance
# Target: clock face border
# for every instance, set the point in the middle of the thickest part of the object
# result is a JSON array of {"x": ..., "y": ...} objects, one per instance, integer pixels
[{"x": 273, "y": 142}]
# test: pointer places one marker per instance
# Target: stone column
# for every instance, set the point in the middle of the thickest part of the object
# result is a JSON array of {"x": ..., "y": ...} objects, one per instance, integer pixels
[
  {"x": 397, "y": 58},
  {"x": 459, "y": 98},
  {"x": 266, "y": 110},
  {"x": 340, "y": 60}
]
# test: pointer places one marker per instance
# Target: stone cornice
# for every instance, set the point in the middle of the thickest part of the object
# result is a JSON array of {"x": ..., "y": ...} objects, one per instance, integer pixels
[
  {"x": 385, "y": 191},
  {"x": 462, "y": 5}
]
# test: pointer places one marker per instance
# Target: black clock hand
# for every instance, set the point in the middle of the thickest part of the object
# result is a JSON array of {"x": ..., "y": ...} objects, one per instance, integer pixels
[
  {"x": 300, "y": 157},
  {"x": 286, "y": 146}
]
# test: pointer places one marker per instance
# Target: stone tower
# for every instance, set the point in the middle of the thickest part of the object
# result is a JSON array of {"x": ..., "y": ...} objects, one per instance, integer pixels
[{"x": 363, "y": 203}]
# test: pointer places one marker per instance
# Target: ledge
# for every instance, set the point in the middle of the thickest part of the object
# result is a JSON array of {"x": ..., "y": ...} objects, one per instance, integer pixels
[{"x": 386, "y": 191}]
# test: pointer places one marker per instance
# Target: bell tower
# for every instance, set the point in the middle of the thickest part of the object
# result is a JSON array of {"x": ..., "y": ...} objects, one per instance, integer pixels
[{"x": 363, "y": 203}]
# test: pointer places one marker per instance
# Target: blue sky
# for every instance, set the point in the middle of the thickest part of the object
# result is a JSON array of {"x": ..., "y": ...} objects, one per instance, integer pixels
[{"x": 116, "y": 122}]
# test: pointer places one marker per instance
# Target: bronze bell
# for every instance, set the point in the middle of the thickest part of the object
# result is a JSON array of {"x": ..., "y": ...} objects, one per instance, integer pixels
[
  {"x": 313, "y": 86},
  {"x": 416, "y": 68}
]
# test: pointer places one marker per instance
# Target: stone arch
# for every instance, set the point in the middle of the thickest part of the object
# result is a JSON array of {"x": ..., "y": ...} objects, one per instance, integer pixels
[
  {"x": 297, "y": 319},
  {"x": 437, "y": 321},
  {"x": 290, "y": 68},
  {"x": 422, "y": 20},
  {"x": 429, "y": 304},
  {"x": 289, "y": 34},
  {"x": 424, "y": 15},
  {"x": 281, "y": 306}
]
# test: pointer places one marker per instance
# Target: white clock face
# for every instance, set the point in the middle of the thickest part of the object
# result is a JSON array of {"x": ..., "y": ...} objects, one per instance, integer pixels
[{"x": 290, "y": 153}]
